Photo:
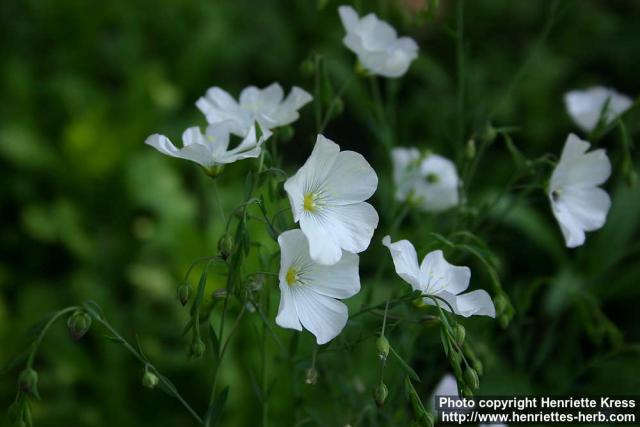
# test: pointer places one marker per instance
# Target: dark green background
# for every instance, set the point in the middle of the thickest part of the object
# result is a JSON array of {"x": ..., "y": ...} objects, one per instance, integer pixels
[{"x": 89, "y": 212}]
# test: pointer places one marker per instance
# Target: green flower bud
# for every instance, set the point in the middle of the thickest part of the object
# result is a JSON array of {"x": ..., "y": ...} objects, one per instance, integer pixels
[
  {"x": 78, "y": 324},
  {"x": 500, "y": 303},
  {"x": 307, "y": 69},
  {"x": 381, "y": 394},
  {"x": 466, "y": 392},
  {"x": 225, "y": 246},
  {"x": 459, "y": 334},
  {"x": 285, "y": 133},
  {"x": 28, "y": 381},
  {"x": 504, "y": 321},
  {"x": 383, "y": 347},
  {"x": 488, "y": 134},
  {"x": 311, "y": 376},
  {"x": 478, "y": 366},
  {"x": 337, "y": 107},
  {"x": 184, "y": 293},
  {"x": 197, "y": 348},
  {"x": 150, "y": 380},
  {"x": 470, "y": 149},
  {"x": 471, "y": 378}
]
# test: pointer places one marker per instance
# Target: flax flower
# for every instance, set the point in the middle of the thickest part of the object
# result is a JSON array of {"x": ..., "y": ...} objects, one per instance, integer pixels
[{"x": 587, "y": 107}]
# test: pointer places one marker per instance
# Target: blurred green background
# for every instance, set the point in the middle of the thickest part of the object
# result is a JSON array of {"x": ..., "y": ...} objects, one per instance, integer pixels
[{"x": 89, "y": 212}]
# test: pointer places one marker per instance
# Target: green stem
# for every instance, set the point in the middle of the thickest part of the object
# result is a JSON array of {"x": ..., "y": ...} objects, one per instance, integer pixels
[{"x": 43, "y": 332}]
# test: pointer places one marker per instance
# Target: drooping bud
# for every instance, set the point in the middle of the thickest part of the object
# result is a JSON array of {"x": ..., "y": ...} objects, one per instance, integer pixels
[
  {"x": 149, "y": 380},
  {"x": 459, "y": 334},
  {"x": 28, "y": 381},
  {"x": 285, "y": 133},
  {"x": 380, "y": 394},
  {"x": 471, "y": 378},
  {"x": 78, "y": 324},
  {"x": 307, "y": 69},
  {"x": 477, "y": 365},
  {"x": 311, "y": 376},
  {"x": 470, "y": 149},
  {"x": 488, "y": 134},
  {"x": 225, "y": 246},
  {"x": 184, "y": 293},
  {"x": 382, "y": 345},
  {"x": 500, "y": 303},
  {"x": 197, "y": 348}
]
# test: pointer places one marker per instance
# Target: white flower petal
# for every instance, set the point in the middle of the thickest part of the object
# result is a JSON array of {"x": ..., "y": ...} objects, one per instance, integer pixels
[
  {"x": 587, "y": 206},
  {"x": 352, "y": 168},
  {"x": 405, "y": 260},
  {"x": 195, "y": 152},
  {"x": 340, "y": 280},
  {"x": 349, "y": 17},
  {"x": 476, "y": 303},
  {"x": 437, "y": 275},
  {"x": 586, "y": 106},
  {"x": 287, "y": 314},
  {"x": 447, "y": 386},
  {"x": 323, "y": 316}
]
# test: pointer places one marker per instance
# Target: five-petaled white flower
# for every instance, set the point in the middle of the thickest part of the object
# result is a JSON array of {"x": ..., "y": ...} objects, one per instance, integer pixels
[
  {"x": 577, "y": 202},
  {"x": 376, "y": 44},
  {"x": 211, "y": 149},
  {"x": 309, "y": 292},
  {"x": 586, "y": 107},
  {"x": 436, "y": 277},
  {"x": 429, "y": 181},
  {"x": 266, "y": 106},
  {"x": 327, "y": 197}
]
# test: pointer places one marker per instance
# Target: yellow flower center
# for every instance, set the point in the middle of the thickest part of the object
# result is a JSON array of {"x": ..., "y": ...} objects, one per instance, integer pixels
[
  {"x": 309, "y": 202},
  {"x": 292, "y": 276}
]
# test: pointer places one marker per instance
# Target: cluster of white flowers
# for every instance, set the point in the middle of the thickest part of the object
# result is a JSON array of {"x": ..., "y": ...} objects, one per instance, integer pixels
[{"x": 319, "y": 261}]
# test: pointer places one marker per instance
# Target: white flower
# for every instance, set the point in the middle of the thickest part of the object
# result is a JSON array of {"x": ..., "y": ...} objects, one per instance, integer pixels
[
  {"x": 211, "y": 149},
  {"x": 586, "y": 106},
  {"x": 429, "y": 181},
  {"x": 309, "y": 292},
  {"x": 265, "y": 106},
  {"x": 376, "y": 44},
  {"x": 447, "y": 386},
  {"x": 327, "y": 197},
  {"x": 436, "y": 277},
  {"x": 577, "y": 202}
]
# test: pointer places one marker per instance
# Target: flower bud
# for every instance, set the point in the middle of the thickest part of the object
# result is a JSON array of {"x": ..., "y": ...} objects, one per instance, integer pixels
[
  {"x": 149, "y": 380},
  {"x": 466, "y": 392},
  {"x": 307, "y": 69},
  {"x": 285, "y": 133},
  {"x": 78, "y": 324},
  {"x": 381, "y": 394},
  {"x": 184, "y": 293},
  {"x": 225, "y": 246},
  {"x": 471, "y": 378},
  {"x": 383, "y": 347},
  {"x": 28, "y": 381},
  {"x": 478, "y": 366},
  {"x": 459, "y": 333},
  {"x": 488, "y": 134},
  {"x": 311, "y": 376},
  {"x": 504, "y": 321},
  {"x": 470, "y": 149},
  {"x": 197, "y": 348},
  {"x": 500, "y": 303}
]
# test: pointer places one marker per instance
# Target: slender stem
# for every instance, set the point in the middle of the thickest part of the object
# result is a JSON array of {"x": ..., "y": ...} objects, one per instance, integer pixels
[
  {"x": 334, "y": 103},
  {"x": 43, "y": 332},
  {"x": 168, "y": 385},
  {"x": 216, "y": 196}
]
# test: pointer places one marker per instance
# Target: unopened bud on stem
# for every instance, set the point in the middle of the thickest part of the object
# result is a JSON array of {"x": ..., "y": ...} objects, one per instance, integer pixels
[
  {"x": 311, "y": 376},
  {"x": 28, "y": 381},
  {"x": 197, "y": 348},
  {"x": 381, "y": 394},
  {"x": 149, "y": 380},
  {"x": 459, "y": 334},
  {"x": 78, "y": 324},
  {"x": 383, "y": 347},
  {"x": 471, "y": 378},
  {"x": 184, "y": 293}
]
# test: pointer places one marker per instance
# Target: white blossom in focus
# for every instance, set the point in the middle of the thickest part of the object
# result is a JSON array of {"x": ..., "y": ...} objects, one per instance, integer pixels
[
  {"x": 577, "y": 202},
  {"x": 327, "y": 197},
  {"x": 309, "y": 292},
  {"x": 211, "y": 149},
  {"x": 429, "y": 181},
  {"x": 436, "y": 277},
  {"x": 266, "y": 106},
  {"x": 586, "y": 106},
  {"x": 376, "y": 44}
]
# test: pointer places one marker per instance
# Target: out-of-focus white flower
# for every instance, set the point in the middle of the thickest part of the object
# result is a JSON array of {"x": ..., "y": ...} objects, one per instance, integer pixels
[
  {"x": 376, "y": 44},
  {"x": 577, "y": 202},
  {"x": 211, "y": 149},
  {"x": 587, "y": 106},
  {"x": 447, "y": 386},
  {"x": 436, "y": 277},
  {"x": 309, "y": 292},
  {"x": 327, "y": 197},
  {"x": 428, "y": 181},
  {"x": 266, "y": 106}
]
